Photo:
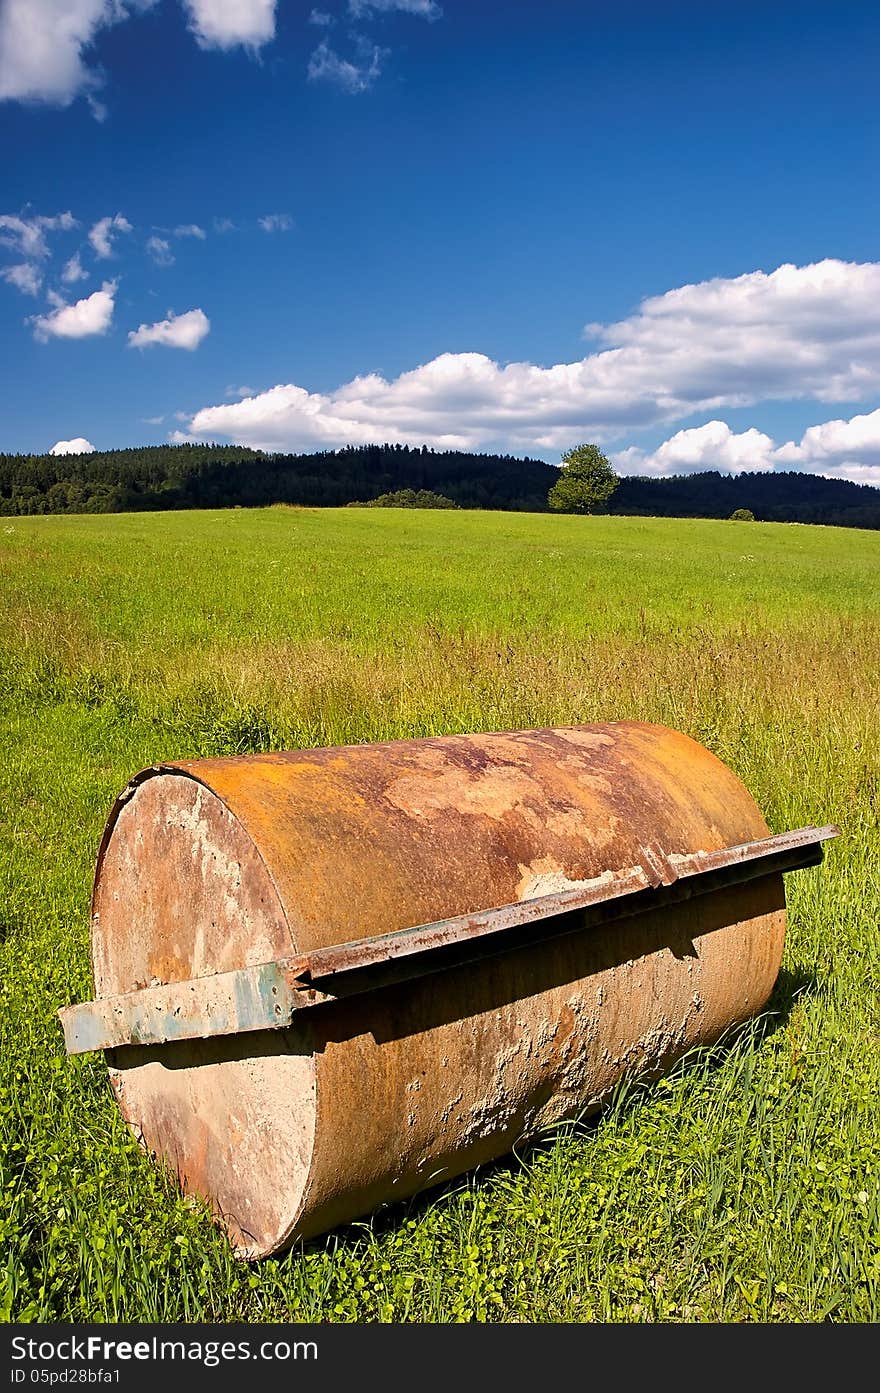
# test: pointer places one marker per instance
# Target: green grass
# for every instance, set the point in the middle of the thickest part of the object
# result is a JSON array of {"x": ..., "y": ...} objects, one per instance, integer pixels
[{"x": 742, "y": 1187}]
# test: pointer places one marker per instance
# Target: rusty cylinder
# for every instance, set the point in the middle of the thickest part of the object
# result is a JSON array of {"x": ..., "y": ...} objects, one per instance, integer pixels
[{"x": 214, "y": 865}]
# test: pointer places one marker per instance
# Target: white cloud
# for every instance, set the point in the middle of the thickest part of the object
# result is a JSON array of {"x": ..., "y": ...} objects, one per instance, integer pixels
[
  {"x": 844, "y": 449},
  {"x": 42, "y": 42},
  {"x": 712, "y": 446},
  {"x": 190, "y": 229},
  {"x": 442, "y": 402},
  {"x": 152, "y": 420},
  {"x": 74, "y": 271},
  {"x": 23, "y": 234},
  {"x": 177, "y": 331},
  {"x": 78, "y": 446},
  {"x": 276, "y": 222},
  {"x": 232, "y": 393},
  {"x": 28, "y": 235},
  {"x": 41, "y": 46},
  {"x": 87, "y": 317},
  {"x": 809, "y": 332},
  {"x": 222, "y": 225},
  {"x": 103, "y": 233},
  {"x": 837, "y": 449},
  {"x": 426, "y": 9},
  {"x": 325, "y": 65},
  {"x": 26, "y": 277},
  {"x": 227, "y": 23},
  {"x": 159, "y": 248}
]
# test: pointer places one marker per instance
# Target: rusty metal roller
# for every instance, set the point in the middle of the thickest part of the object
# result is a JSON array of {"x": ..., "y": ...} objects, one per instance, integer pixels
[{"x": 329, "y": 978}]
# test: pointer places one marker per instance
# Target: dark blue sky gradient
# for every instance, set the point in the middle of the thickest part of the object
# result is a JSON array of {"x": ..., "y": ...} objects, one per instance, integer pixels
[{"x": 516, "y": 171}]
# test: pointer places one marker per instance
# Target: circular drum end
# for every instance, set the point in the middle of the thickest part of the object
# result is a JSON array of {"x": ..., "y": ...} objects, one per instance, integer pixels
[
  {"x": 181, "y": 891},
  {"x": 234, "y": 1120}
]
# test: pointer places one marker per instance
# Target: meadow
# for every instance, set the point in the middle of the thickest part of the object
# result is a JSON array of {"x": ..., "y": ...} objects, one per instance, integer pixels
[{"x": 745, "y": 1186}]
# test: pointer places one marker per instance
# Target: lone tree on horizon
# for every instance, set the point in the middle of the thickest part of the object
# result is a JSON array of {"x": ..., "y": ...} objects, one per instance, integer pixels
[{"x": 586, "y": 481}]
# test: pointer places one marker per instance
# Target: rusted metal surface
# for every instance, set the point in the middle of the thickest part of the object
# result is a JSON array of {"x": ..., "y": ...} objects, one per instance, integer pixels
[
  {"x": 228, "y": 1003},
  {"x": 213, "y": 866},
  {"x": 265, "y": 997},
  {"x": 677, "y": 877}
]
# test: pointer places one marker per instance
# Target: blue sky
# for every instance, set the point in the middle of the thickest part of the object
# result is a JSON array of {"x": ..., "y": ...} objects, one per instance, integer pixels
[{"x": 488, "y": 225}]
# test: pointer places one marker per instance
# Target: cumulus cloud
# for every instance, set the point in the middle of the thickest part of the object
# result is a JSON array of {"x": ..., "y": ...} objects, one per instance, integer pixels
[
  {"x": 276, "y": 222},
  {"x": 26, "y": 277},
  {"x": 321, "y": 18},
  {"x": 85, "y": 318},
  {"x": 78, "y": 446},
  {"x": 42, "y": 43},
  {"x": 190, "y": 229},
  {"x": 177, "y": 331},
  {"x": 838, "y": 449},
  {"x": 800, "y": 332},
  {"x": 103, "y": 234},
  {"x": 287, "y": 416},
  {"x": 159, "y": 249},
  {"x": 712, "y": 446},
  {"x": 28, "y": 235},
  {"x": 222, "y": 225},
  {"x": 846, "y": 449},
  {"x": 325, "y": 65},
  {"x": 228, "y": 23},
  {"x": 74, "y": 271}
]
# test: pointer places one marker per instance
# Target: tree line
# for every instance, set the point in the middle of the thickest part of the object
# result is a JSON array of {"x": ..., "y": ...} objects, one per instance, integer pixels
[
  {"x": 224, "y": 476},
  {"x": 771, "y": 496}
]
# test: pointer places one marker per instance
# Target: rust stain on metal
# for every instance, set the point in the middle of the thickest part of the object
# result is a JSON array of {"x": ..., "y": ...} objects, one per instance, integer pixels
[{"x": 213, "y": 866}]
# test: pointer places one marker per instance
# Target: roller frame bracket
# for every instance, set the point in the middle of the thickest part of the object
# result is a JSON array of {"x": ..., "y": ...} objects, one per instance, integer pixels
[{"x": 267, "y": 996}]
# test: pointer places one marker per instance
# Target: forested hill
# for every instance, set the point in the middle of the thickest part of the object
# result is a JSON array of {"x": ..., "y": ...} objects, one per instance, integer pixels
[
  {"x": 771, "y": 496},
  {"x": 224, "y": 476}
]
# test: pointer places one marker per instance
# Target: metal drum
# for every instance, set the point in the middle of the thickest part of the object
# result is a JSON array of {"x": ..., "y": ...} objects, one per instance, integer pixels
[{"x": 326, "y": 979}]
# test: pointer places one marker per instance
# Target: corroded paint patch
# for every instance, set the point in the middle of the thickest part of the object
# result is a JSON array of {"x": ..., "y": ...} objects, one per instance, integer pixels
[{"x": 544, "y": 877}]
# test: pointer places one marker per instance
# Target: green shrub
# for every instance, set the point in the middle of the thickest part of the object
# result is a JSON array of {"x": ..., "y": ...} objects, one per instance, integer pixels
[{"x": 407, "y": 498}]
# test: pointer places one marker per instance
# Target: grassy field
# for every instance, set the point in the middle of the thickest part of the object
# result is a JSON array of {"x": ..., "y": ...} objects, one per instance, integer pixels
[{"x": 745, "y": 1186}]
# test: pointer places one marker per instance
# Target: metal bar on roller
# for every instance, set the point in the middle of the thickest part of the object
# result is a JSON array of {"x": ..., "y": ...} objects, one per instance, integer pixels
[{"x": 267, "y": 996}]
